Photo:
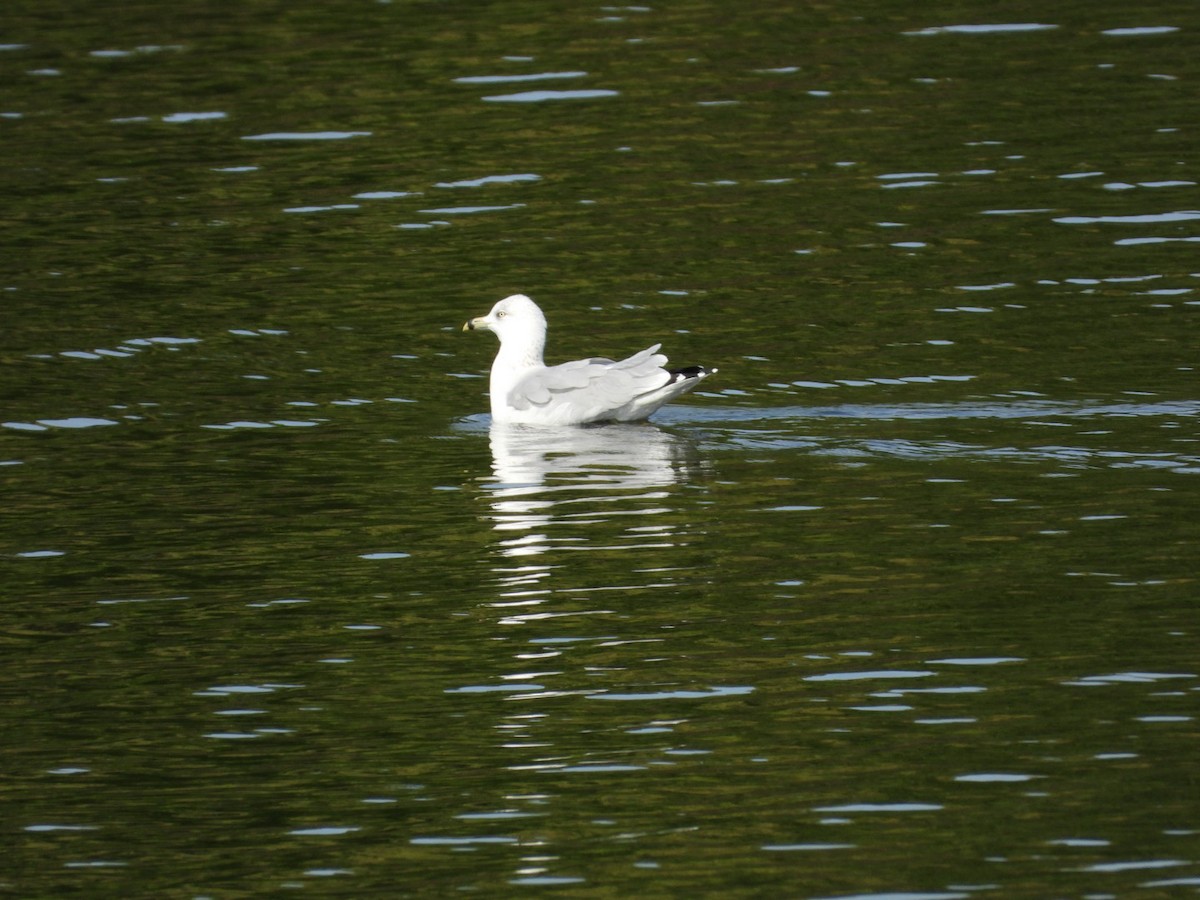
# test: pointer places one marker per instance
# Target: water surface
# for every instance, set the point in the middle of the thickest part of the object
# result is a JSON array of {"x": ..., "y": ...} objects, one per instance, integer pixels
[{"x": 902, "y": 604}]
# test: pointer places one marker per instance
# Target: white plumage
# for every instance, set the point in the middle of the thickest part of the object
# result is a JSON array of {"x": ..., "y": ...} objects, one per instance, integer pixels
[{"x": 525, "y": 391}]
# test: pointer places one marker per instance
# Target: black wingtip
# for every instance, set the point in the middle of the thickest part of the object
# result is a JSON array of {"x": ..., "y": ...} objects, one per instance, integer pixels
[{"x": 689, "y": 372}]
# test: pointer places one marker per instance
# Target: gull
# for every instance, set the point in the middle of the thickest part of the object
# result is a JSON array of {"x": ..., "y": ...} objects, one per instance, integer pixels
[{"x": 525, "y": 391}]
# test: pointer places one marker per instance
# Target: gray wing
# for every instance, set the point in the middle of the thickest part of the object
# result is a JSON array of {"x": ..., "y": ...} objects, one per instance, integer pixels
[{"x": 592, "y": 386}]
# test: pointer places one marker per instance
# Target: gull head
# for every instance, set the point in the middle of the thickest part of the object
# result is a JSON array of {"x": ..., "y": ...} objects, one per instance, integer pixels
[{"x": 515, "y": 320}]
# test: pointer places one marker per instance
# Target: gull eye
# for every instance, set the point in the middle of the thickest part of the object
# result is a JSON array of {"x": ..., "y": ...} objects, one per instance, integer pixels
[{"x": 501, "y": 314}]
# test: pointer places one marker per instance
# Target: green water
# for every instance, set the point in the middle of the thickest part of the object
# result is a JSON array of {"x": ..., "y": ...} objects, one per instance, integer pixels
[{"x": 903, "y": 605}]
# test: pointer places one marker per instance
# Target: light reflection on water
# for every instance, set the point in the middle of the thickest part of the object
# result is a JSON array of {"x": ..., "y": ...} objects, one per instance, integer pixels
[
  {"x": 790, "y": 427},
  {"x": 596, "y": 489}
]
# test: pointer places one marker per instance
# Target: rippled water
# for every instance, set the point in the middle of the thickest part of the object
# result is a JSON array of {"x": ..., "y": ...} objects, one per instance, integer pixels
[{"x": 902, "y": 605}]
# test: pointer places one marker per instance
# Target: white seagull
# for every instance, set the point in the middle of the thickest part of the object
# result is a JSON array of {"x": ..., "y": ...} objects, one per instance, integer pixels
[{"x": 525, "y": 391}]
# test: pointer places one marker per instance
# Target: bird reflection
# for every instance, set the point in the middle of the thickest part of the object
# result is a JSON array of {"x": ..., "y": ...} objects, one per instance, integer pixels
[{"x": 570, "y": 490}]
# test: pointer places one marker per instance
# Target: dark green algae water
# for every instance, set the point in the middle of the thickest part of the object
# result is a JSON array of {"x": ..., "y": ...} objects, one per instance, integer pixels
[{"x": 904, "y": 605}]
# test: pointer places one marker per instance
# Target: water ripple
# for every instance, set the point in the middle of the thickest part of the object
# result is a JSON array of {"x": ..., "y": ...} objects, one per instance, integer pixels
[
  {"x": 509, "y": 79},
  {"x": 1184, "y": 215},
  {"x": 489, "y": 179},
  {"x": 306, "y": 135},
  {"x": 1020, "y": 27},
  {"x": 1140, "y": 31},
  {"x": 541, "y": 96}
]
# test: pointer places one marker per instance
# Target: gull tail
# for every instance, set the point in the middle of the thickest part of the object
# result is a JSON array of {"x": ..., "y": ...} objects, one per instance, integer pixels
[{"x": 696, "y": 372}]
